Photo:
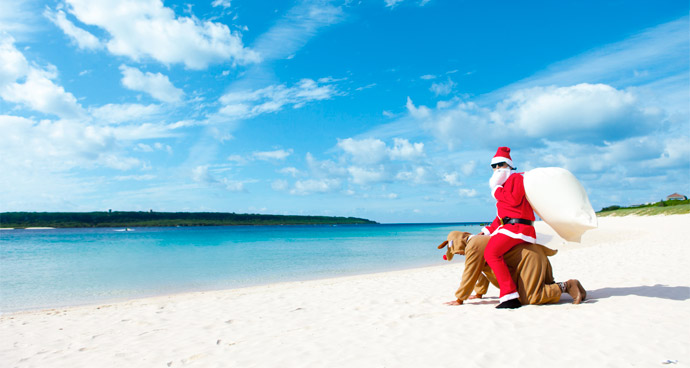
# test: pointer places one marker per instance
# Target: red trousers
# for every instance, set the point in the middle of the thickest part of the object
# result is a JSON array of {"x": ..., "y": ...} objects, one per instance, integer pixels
[{"x": 498, "y": 245}]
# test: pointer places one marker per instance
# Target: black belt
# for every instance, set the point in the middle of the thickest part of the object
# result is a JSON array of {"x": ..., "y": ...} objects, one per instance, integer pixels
[{"x": 508, "y": 221}]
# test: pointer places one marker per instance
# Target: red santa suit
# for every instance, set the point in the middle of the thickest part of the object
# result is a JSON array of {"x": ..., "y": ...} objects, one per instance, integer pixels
[{"x": 511, "y": 203}]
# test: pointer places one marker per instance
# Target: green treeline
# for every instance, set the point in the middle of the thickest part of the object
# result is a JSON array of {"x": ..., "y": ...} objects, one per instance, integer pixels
[{"x": 144, "y": 219}]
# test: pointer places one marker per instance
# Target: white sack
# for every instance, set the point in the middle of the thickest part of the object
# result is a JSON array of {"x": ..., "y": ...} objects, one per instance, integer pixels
[{"x": 561, "y": 201}]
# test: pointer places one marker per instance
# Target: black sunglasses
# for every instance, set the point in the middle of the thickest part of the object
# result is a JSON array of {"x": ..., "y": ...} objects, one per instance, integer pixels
[{"x": 493, "y": 166}]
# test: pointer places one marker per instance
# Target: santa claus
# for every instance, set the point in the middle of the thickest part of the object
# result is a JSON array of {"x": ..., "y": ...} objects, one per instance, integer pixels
[{"x": 513, "y": 223}]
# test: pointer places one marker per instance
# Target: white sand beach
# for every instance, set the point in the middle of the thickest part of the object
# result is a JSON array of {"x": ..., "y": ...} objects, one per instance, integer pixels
[{"x": 635, "y": 269}]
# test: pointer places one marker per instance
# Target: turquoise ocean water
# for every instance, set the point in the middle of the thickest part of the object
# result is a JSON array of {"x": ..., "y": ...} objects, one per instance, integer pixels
[{"x": 61, "y": 267}]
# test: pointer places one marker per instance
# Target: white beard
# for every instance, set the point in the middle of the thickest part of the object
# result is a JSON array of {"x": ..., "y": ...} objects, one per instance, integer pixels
[{"x": 499, "y": 177}]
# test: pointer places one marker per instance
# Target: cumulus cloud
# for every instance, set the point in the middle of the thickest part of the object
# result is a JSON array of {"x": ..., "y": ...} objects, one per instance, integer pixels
[
  {"x": 366, "y": 151},
  {"x": 148, "y": 29},
  {"x": 61, "y": 145},
  {"x": 13, "y": 64},
  {"x": 452, "y": 179},
  {"x": 248, "y": 104},
  {"x": 404, "y": 150},
  {"x": 373, "y": 151},
  {"x": 81, "y": 37},
  {"x": 366, "y": 176},
  {"x": 157, "y": 85},
  {"x": 32, "y": 86},
  {"x": 578, "y": 113}
]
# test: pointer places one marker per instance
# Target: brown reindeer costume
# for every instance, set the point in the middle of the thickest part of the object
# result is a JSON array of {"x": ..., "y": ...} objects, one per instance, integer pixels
[{"x": 528, "y": 264}]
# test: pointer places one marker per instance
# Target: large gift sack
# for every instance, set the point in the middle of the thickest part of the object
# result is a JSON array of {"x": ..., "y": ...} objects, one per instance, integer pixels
[{"x": 561, "y": 201}]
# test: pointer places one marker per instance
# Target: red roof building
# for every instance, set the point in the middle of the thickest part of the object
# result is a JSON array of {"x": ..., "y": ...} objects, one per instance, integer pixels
[{"x": 676, "y": 196}]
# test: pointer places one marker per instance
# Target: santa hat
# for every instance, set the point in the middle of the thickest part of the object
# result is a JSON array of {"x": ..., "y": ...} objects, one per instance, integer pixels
[{"x": 502, "y": 155}]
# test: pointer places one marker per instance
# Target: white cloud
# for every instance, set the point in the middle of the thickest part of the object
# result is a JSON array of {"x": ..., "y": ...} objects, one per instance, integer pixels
[
  {"x": 404, "y": 150},
  {"x": 121, "y": 113},
  {"x": 467, "y": 193},
  {"x": 157, "y": 85},
  {"x": 392, "y": 3},
  {"x": 417, "y": 112},
  {"x": 452, "y": 179},
  {"x": 248, "y": 104},
  {"x": 61, "y": 145},
  {"x": 13, "y": 64},
  {"x": 148, "y": 29},
  {"x": 279, "y": 155},
  {"x": 577, "y": 111},
  {"x": 366, "y": 151},
  {"x": 366, "y": 176},
  {"x": 17, "y": 18},
  {"x": 289, "y": 171},
  {"x": 82, "y": 38},
  {"x": 31, "y": 86},
  {"x": 203, "y": 174},
  {"x": 443, "y": 88},
  {"x": 294, "y": 30},
  {"x": 325, "y": 168},
  {"x": 40, "y": 93},
  {"x": 305, "y": 187},
  {"x": 417, "y": 176},
  {"x": 428, "y": 77},
  {"x": 239, "y": 160},
  {"x": 134, "y": 177},
  {"x": 223, "y": 3}
]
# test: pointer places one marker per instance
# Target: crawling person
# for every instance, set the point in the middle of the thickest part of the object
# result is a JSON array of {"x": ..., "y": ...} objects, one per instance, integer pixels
[{"x": 528, "y": 265}]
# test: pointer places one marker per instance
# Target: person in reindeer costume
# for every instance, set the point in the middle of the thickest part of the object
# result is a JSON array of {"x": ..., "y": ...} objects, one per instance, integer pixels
[
  {"x": 513, "y": 224},
  {"x": 529, "y": 267}
]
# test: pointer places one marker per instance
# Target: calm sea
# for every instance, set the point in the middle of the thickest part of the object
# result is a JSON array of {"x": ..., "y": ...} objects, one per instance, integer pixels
[{"x": 60, "y": 267}]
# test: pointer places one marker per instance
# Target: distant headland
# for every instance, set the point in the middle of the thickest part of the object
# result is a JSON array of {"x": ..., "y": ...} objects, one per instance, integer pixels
[{"x": 161, "y": 219}]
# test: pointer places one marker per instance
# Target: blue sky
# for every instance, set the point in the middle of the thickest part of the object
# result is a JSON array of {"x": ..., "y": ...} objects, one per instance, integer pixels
[{"x": 386, "y": 109}]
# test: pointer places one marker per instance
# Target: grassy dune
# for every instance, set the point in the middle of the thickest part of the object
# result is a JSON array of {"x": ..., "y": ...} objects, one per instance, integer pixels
[{"x": 648, "y": 211}]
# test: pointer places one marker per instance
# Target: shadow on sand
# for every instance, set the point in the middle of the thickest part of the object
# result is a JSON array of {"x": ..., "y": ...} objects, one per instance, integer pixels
[{"x": 657, "y": 291}]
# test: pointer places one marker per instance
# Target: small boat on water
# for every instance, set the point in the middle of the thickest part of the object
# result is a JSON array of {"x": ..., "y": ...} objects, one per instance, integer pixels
[{"x": 125, "y": 229}]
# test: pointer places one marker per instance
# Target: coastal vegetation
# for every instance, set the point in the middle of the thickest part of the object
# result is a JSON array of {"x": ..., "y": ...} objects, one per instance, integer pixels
[
  {"x": 671, "y": 207},
  {"x": 159, "y": 219}
]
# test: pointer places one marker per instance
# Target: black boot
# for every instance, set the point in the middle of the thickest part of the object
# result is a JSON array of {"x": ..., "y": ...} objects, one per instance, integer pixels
[{"x": 510, "y": 304}]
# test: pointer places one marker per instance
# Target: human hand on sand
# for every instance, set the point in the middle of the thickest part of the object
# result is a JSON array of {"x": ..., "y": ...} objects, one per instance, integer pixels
[
  {"x": 475, "y": 296},
  {"x": 454, "y": 302}
]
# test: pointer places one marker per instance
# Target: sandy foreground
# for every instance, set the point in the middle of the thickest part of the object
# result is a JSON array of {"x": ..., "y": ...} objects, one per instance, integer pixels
[{"x": 636, "y": 271}]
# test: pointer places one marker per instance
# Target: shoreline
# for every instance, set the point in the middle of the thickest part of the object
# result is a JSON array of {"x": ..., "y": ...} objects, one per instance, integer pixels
[{"x": 632, "y": 267}]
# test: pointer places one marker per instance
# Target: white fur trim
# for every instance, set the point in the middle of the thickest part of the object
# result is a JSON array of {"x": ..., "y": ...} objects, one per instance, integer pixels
[
  {"x": 499, "y": 159},
  {"x": 510, "y": 296},
  {"x": 470, "y": 237},
  {"x": 493, "y": 191},
  {"x": 513, "y": 235},
  {"x": 485, "y": 231}
]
